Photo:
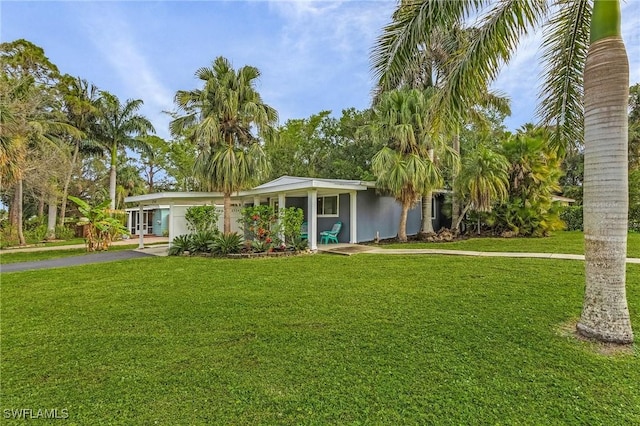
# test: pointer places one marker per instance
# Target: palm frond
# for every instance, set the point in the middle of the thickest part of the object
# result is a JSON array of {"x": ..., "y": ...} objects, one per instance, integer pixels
[{"x": 565, "y": 48}]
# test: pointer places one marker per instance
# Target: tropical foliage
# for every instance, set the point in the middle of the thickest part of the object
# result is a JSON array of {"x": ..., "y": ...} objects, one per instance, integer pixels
[
  {"x": 227, "y": 119},
  {"x": 202, "y": 218},
  {"x": 101, "y": 227}
]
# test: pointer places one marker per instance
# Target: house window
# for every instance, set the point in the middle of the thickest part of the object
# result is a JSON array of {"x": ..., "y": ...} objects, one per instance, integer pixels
[{"x": 328, "y": 206}]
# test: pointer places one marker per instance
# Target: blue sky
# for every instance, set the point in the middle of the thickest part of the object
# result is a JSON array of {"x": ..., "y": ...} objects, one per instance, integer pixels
[{"x": 313, "y": 56}]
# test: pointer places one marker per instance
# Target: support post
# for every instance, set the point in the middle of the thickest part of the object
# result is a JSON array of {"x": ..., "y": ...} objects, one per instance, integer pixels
[
  {"x": 353, "y": 221},
  {"x": 312, "y": 218},
  {"x": 281, "y": 206},
  {"x": 140, "y": 226}
]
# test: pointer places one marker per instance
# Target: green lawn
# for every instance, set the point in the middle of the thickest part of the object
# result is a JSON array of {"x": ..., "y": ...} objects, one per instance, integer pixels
[
  {"x": 570, "y": 242},
  {"x": 366, "y": 339}
]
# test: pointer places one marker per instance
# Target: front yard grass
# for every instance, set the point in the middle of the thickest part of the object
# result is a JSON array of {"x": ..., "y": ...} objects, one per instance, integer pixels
[
  {"x": 569, "y": 242},
  {"x": 367, "y": 339}
]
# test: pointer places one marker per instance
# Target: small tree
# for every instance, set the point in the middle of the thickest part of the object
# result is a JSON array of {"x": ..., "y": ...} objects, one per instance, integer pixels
[
  {"x": 202, "y": 218},
  {"x": 102, "y": 227},
  {"x": 292, "y": 219}
]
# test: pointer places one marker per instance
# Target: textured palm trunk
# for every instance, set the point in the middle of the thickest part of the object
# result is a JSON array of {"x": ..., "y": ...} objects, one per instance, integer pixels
[
  {"x": 427, "y": 222},
  {"x": 455, "y": 202},
  {"x": 605, "y": 315},
  {"x": 402, "y": 226},
  {"x": 227, "y": 213},
  {"x": 18, "y": 203},
  {"x": 67, "y": 181},
  {"x": 51, "y": 217},
  {"x": 112, "y": 176}
]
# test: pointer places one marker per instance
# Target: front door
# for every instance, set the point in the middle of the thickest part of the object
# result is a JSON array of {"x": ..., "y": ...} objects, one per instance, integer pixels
[{"x": 147, "y": 222}]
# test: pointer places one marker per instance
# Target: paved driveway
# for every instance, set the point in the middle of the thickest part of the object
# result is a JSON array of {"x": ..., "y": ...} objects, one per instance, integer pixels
[{"x": 74, "y": 260}]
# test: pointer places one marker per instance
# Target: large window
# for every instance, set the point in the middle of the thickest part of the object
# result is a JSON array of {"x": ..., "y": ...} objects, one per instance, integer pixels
[{"x": 328, "y": 206}]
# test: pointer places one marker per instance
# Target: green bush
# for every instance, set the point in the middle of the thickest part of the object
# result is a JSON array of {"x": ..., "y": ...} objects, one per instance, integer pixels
[
  {"x": 180, "y": 244},
  {"x": 292, "y": 219},
  {"x": 65, "y": 232},
  {"x": 202, "y": 218},
  {"x": 572, "y": 217},
  {"x": 201, "y": 240},
  {"x": 224, "y": 244}
]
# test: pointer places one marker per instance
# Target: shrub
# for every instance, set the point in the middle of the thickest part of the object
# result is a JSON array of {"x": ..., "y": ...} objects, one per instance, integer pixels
[
  {"x": 180, "y": 244},
  {"x": 260, "y": 223},
  {"x": 224, "y": 244},
  {"x": 292, "y": 219},
  {"x": 572, "y": 217},
  {"x": 201, "y": 240},
  {"x": 202, "y": 218},
  {"x": 65, "y": 232}
]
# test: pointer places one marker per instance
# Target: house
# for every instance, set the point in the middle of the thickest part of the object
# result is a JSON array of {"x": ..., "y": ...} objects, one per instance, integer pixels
[{"x": 365, "y": 214}]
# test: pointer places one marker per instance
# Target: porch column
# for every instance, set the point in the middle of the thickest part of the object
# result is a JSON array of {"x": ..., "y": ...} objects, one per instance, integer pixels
[
  {"x": 281, "y": 206},
  {"x": 312, "y": 218},
  {"x": 256, "y": 201},
  {"x": 171, "y": 231},
  {"x": 140, "y": 227},
  {"x": 353, "y": 221}
]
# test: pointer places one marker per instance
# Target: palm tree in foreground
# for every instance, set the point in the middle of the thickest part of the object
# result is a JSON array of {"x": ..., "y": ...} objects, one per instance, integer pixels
[
  {"x": 227, "y": 118},
  {"x": 118, "y": 124},
  {"x": 569, "y": 26}
]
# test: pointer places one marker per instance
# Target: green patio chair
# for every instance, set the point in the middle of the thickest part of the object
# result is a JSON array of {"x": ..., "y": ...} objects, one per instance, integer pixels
[
  {"x": 331, "y": 236},
  {"x": 304, "y": 231}
]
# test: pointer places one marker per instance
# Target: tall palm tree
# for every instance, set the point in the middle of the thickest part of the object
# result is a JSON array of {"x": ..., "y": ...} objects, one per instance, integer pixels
[
  {"x": 227, "y": 118},
  {"x": 79, "y": 105},
  {"x": 117, "y": 127},
  {"x": 580, "y": 38},
  {"x": 405, "y": 166},
  {"x": 483, "y": 180}
]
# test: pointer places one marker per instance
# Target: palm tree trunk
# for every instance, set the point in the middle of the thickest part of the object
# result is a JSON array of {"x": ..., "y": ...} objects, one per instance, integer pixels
[
  {"x": 458, "y": 221},
  {"x": 51, "y": 217},
  {"x": 17, "y": 200},
  {"x": 402, "y": 226},
  {"x": 227, "y": 213},
  {"x": 112, "y": 176},
  {"x": 605, "y": 314},
  {"x": 455, "y": 202},
  {"x": 67, "y": 182},
  {"x": 427, "y": 222}
]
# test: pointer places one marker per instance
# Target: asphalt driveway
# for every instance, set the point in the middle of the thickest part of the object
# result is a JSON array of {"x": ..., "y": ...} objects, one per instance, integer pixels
[{"x": 74, "y": 260}]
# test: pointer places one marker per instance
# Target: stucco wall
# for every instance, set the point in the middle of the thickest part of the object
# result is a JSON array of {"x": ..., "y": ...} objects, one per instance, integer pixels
[{"x": 380, "y": 215}]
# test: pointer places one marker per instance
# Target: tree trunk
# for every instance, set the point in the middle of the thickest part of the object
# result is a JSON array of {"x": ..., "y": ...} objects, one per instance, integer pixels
[
  {"x": 605, "y": 314},
  {"x": 112, "y": 176},
  {"x": 455, "y": 202},
  {"x": 51, "y": 220},
  {"x": 402, "y": 226},
  {"x": 427, "y": 222},
  {"x": 67, "y": 182},
  {"x": 40, "y": 206},
  {"x": 227, "y": 213},
  {"x": 458, "y": 221},
  {"x": 17, "y": 200}
]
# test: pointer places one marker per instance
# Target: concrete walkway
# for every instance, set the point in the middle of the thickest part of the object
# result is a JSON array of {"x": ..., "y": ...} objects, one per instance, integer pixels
[{"x": 350, "y": 249}]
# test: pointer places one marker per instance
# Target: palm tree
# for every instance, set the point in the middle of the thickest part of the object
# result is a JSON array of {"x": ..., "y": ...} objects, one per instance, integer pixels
[
  {"x": 405, "y": 166},
  {"x": 79, "y": 105},
  {"x": 227, "y": 118},
  {"x": 483, "y": 180},
  {"x": 116, "y": 129},
  {"x": 572, "y": 58}
]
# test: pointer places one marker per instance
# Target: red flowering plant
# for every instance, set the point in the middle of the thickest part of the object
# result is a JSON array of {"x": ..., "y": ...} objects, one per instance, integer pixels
[{"x": 261, "y": 228}]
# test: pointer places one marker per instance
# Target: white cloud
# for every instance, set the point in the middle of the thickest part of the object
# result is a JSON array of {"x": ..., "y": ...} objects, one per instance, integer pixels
[{"x": 113, "y": 37}]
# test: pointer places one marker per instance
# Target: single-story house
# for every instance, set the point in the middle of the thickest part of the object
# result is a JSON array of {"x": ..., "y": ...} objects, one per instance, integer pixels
[{"x": 365, "y": 213}]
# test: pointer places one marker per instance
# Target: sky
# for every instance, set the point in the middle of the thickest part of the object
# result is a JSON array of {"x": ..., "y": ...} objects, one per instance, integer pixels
[{"x": 312, "y": 55}]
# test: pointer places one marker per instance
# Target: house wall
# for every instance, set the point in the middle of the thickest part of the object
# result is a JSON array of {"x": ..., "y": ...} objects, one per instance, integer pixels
[
  {"x": 326, "y": 223},
  {"x": 161, "y": 215},
  {"x": 380, "y": 215}
]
